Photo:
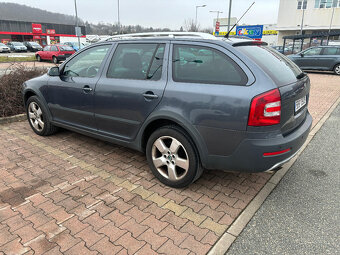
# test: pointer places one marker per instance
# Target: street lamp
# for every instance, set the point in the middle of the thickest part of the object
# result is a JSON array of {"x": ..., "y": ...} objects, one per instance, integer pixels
[
  {"x": 303, "y": 7},
  {"x": 198, "y": 6},
  {"x": 118, "y": 17},
  {"x": 77, "y": 23},
  {"x": 229, "y": 16},
  {"x": 334, "y": 4}
]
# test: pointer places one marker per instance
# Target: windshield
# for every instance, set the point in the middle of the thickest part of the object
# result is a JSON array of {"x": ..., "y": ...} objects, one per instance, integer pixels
[
  {"x": 17, "y": 44},
  {"x": 34, "y": 44},
  {"x": 65, "y": 48},
  {"x": 281, "y": 69},
  {"x": 1, "y": 44}
]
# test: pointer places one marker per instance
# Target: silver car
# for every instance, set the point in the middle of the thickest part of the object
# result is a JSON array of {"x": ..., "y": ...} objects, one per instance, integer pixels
[{"x": 4, "y": 48}]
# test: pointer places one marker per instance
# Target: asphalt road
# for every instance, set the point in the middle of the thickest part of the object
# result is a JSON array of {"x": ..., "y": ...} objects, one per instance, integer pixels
[{"x": 302, "y": 214}]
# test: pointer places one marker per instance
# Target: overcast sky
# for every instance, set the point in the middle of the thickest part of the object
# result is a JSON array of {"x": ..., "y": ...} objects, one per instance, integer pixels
[{"x": 159, "y": 13}]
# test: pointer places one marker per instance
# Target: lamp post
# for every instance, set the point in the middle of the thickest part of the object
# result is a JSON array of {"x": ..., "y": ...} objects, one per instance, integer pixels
[
  {"x": 118, "y": 15},
  {"x": 77, "y": 22},
  {"x": 198, "y": 6},
  {"x": 303, "y": 7},
  {"x": 218, "y": 16},
  {"x": 330, "y": 25},
  {"x": 229, "y": 16}
]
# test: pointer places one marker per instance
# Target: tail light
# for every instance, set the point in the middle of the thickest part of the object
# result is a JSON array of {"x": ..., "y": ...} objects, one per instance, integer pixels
[{"x": 265, "y": 109}]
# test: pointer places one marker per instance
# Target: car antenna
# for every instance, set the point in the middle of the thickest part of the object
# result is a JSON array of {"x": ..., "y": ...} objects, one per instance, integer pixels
[{"x": 227, "y": 35}]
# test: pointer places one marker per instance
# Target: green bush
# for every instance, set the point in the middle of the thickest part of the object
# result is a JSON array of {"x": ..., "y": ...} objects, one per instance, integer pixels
[{"x": 11, "y": 100}]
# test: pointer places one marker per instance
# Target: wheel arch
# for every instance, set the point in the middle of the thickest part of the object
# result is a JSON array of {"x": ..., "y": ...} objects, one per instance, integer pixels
[{"x": 159, "y": 121}]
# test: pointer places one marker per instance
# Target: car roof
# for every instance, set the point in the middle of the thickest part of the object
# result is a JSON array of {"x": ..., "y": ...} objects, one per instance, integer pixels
[{"x": 183, "y": 36}]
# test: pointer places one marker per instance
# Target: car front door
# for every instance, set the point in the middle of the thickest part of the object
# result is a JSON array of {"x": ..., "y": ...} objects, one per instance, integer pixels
[
  {"x": 329, "y": 58},
  {"x": 130, "y": 88},
  {"x": 54, "y": 50},
  {"x": 71, "y": 93},
  {"x": 309, "y": 58},
  {"x": 45, "y": 52}
]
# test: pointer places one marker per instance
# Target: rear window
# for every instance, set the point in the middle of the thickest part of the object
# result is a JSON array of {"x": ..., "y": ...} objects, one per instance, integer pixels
[
  {"x": 281, "y": 69},
  {"x": 331, "y": 51}
]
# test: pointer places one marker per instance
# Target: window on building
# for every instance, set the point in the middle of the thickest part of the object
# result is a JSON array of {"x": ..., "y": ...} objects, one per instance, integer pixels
[
  {"x": 327, "y": 3},
  {"x": 302, "y": 5}
]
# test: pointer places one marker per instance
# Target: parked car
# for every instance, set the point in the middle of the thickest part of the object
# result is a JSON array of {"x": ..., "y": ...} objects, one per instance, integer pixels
[
  {"x": 323, "y": 58},
  {"x": 75, "y": 45},
  {"x": 190, "y": 103},
  {"x": 33, "y": 46},
  {"x": 17, "y": 46},
  {"x": 4, "y": 48},
  {"x": 54, "y": 53},
  {"x": 280, "y": 49}
]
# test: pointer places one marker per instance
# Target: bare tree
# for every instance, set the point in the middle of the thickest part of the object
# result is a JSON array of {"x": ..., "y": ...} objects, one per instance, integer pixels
[{"x": 190, "y": 26}]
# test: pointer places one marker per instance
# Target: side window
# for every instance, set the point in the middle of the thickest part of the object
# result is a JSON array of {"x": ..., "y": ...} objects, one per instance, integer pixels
[
  {"x": 54, "y": 48},
  {"x": 331, "y": 51},
  {"x": 87, "y": 63},
  {"x": 313, "y": 51},
  {"x": 196, "y": 64},
  {"x": 47, "y": 48},
  {"x": 137, "y": 61}
]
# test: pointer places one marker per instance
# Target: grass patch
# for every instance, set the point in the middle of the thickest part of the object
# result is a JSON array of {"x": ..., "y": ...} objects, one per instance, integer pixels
[{"x": 16, "y": 59}]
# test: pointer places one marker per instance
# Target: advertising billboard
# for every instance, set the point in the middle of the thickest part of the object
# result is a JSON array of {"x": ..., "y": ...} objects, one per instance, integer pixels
[
  {"x": 254, "y": 32},
  {"x": 36, "y": 28}
]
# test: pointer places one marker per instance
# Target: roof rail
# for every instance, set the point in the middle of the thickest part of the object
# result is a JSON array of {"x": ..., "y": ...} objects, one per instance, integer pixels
[{"x": 162, "y": 34}]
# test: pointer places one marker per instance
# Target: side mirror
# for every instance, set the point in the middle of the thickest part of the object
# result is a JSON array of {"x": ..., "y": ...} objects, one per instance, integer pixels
[
  {"x": 302, "y": 55},
  {"x": 54, "y": 71}
]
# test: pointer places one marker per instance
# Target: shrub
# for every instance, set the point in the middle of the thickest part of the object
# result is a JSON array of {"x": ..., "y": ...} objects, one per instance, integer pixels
[{"x": 11, "y": 100}]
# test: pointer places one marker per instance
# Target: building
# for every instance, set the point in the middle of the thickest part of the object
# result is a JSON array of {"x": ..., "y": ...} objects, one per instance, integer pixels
[
  {"x": 42, "y": 33},
  {"x": 314, "y": 16}
]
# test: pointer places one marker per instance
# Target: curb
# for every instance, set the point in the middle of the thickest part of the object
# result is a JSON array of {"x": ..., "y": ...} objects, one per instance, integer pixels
[
  {"x": 15, "y": 118},
  {"x": 227, "y": 239}
]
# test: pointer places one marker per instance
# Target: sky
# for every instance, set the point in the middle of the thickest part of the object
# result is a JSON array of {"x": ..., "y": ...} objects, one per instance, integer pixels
[{"x": 160, "y": 13}]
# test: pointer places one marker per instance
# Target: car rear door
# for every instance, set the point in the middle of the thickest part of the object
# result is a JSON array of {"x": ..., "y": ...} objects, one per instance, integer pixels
[
  {"x": 71, "y": 94},
  {"x": 130, "y": 88},
  {"x": 330, "y": 56}
]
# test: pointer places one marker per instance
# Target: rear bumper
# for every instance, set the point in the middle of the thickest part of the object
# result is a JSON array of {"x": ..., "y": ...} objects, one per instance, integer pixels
[{"x": 248, "y": 157}]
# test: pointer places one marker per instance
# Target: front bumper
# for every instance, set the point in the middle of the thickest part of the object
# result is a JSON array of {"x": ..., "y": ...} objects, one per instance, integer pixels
[{"x": 248, "y": 157}]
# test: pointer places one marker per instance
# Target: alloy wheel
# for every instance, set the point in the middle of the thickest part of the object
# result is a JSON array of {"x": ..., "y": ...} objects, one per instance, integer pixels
[
  {"x": 337, "y": 69},
  {"x": 170, "y": 158},
  {"x": 36, "y": 116}
]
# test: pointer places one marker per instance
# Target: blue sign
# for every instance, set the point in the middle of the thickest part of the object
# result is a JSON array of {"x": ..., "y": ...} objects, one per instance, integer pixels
[{"x": 254, "y": 32}]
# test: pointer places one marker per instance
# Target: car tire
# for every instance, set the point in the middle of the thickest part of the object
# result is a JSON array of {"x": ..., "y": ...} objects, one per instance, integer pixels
[
  {"x": 38, "y": 118},
  {"x": 172, "y": 157},
  {"x": 337, "y": 69},
  {"x": 38, "y": 58},
  {"x": 55, "y": 60}
]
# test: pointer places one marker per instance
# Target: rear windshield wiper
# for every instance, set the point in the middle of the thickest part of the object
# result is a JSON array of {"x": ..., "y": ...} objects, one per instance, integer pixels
[{"x": 300, "y": 76}]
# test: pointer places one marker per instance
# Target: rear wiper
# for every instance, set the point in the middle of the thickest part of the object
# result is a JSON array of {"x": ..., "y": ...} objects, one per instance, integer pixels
[{"x": 300, "y": 76}]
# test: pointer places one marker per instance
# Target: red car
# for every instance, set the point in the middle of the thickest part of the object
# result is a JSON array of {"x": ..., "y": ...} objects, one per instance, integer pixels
[{"x": 55, "y": 53}]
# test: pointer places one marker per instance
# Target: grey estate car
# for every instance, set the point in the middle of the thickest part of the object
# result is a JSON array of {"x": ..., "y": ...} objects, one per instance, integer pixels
[
  {"x": 323, "y": 58},
  {"x": 189, "y": 102}
]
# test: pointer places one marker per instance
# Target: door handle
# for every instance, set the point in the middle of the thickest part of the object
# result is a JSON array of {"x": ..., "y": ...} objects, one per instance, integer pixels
[
  {"x": 149, "y": 95},
  {"x": 87, "y": 89}
]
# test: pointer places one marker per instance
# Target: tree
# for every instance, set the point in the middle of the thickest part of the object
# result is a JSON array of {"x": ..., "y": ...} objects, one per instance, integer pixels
[{"x": 190, "y": 25}]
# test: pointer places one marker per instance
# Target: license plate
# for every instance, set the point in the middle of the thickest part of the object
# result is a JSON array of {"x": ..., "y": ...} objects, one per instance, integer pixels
[{"x": 300, "y": 103}]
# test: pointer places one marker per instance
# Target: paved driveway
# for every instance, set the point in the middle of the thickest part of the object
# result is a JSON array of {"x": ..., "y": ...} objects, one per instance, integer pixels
[{"x": 76, "y": 195}]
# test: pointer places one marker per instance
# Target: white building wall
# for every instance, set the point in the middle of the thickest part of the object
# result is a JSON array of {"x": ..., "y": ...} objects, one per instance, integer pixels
[{"x": 64, "y": 39}]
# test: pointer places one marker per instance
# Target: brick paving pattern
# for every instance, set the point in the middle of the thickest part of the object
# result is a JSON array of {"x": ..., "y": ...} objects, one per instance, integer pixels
[{"x": 71, "y": 194}]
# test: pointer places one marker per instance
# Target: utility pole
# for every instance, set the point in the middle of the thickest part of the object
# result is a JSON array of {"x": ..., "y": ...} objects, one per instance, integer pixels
[
  {"x": 198, "y": 6},
  {"x": 77, "y": 23},
  {"x": 118, "y": 18},
  {"x": 229, "y": 17},
  {"x": 330, "y": 25}
]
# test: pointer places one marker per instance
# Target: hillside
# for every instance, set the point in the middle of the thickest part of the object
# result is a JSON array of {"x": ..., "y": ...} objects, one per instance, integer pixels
[{"x": 12, "y": 11}]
